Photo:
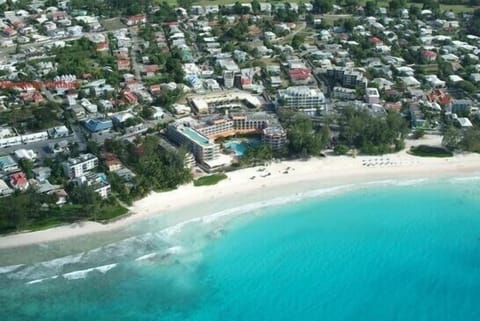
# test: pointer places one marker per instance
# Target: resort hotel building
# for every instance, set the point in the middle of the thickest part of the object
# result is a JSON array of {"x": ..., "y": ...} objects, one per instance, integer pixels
[
  {"x": 199, "y": 134},
  {"x": 309, "y": 100},
  {"x": 224, "y": 100},
  {"x": 182, "y": 133}
]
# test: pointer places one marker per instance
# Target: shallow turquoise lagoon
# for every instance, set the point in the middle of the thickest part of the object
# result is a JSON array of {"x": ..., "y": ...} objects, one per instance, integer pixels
[{"x": 406, "y": 251}]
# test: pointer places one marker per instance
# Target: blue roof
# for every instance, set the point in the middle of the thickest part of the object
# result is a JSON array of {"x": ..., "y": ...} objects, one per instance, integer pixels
[{"x": 98, "y": 124}]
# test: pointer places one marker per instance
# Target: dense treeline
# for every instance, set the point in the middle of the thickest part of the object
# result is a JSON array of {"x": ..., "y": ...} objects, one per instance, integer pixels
[
  {"x": 372, "y": 134},
  {"x": 303, "y": 138},
  {"x": 157, "y": 169},
  {"x": 33, "y": 210},
  {"x": 462, "y": 139}
]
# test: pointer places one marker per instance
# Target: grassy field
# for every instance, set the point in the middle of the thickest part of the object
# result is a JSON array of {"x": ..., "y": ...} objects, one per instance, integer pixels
[
  {"x": 209, "y": 180},
  {"x": 109, "y": 212},
  {"x": 457, "y": 8}
]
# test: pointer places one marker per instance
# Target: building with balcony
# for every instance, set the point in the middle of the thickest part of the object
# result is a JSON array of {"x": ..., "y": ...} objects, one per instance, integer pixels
[
  {"x": 79, "y": 166},
  {"x": 309, "y": 100}
]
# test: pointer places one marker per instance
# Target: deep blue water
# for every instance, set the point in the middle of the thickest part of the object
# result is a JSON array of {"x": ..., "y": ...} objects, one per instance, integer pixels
[{"x": 403, "y": 252}]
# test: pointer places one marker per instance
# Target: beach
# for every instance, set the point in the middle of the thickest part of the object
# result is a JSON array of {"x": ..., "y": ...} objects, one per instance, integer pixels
[{"x": 276, "y": 179}]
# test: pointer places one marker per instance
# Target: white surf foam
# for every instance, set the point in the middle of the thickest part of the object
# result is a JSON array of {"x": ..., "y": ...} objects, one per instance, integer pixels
[
  {"x": 10, "y": 268},
  {"x": 146, "y": 257},
  {"x": 82, "y": 274},
  {"x": 464, "y": 179},
  {"x": 41, "y": 280}
]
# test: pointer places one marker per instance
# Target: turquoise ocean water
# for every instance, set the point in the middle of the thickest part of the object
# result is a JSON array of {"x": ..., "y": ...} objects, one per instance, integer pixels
[{"x": 396, "y": 251}]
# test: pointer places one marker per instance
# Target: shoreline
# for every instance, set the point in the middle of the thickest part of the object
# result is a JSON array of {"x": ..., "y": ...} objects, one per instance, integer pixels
[{"x": 284, "y": 178}]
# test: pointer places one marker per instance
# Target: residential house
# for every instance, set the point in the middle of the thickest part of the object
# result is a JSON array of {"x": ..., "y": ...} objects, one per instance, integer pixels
[
  {"x": 372, "y": 96},
  {"x": 19, "y": 181},
  {"x": 4, "y": 188},
  {"x": 98, "y": 125},
  {"x": 460, "y": 106},
  {"x": 58, "y": 132},
  {"x": 135, "y": 20},
  {"x": 112, "y": 162},
  {"x": 42, "y": 173},
  {"x": 97, "y": 181},
  {"x": 8, "y": 164},
  {"x": 25, "y": 154}
]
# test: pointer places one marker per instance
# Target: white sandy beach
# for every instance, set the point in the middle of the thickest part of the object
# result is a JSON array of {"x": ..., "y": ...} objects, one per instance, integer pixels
[{"x": 328, "y": 171}]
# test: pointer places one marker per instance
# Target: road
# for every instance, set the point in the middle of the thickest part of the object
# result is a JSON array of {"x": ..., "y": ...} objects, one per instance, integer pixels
[
  {"x": 39, "y": 147},
  {"x": 137, "y": 68}
]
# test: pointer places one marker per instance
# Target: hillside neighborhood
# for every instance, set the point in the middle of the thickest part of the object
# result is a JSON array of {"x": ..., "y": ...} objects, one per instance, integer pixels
[{"x": 98, "y": 108}]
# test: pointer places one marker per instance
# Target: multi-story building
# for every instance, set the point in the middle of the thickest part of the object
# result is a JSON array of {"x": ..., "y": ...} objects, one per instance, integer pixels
[
  {"x": 79, "y": 166},
  {"x": 98, "y": 182},
  {"x": 372, "y": 96},
  {"x": 188, "y": 158},
  {"x": 228, "y": 78},
  {"x": 344, "y": 93},
  {"x": 225, "y": 100},
  {"x": 307, "y": 99},
  {"x": 275, "y": 137},
  {"x": 202, "y": 148},
  {"x": 347, "y": 77},
  {"x": 199, "y": 134},
  {"x": 216, "y": 127},
  {"x": 460, "y": 105}
]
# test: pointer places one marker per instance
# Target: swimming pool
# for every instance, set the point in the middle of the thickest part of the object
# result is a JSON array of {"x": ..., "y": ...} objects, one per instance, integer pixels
[{"x": 236, "y": 146}]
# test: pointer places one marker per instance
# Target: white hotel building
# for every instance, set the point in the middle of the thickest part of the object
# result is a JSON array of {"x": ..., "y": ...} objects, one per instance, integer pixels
[{"x": 309, "y": 100}]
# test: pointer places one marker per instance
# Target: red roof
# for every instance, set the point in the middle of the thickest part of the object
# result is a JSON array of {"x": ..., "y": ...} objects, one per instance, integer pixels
[
  {"x": 137, "y": 18},
  {"x": 439, "y": 97},
  {"x": 123, "y": 64},
  {"x": 299, "y": 73},
  {"x": 102, "y": 46},
  {"x": 57, "y": 15},
  {"x": 130, "y": 97},
  {"x": 429, "y": 54},
  {"x": 375, "y": 40},
  {"x": 246, "y": 81},
  {"x": 151, "y": 68},
  {"x": 155, "y": 88},
  {"x": 18, "y": 179},
  {"x": 9, "y": 31}
]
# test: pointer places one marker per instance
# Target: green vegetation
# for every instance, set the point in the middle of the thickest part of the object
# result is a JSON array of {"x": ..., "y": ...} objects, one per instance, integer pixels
[
  {"x": 156, "y": 169},
  {"x": 255, "y": 155},
  {"x": 474, "y": 25},
  {"x": 209, "y": 180},
  {"x": 33, "y": 117},
  {"x": 81, "y": 57},
  {"x": 341, "y": 149},
  {"x": 372, "y": 134},
  {"x": 33, "y": 211},
  {"x": 303, "y": 139},
  {"x": 458, "y": 139},
  {"x": 110, "y": 212},
  {"x": 430, "y": 151},
  {"x": 418, "y": 133}
]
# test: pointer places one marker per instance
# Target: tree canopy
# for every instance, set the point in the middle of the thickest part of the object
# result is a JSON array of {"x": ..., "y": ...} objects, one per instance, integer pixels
[{"x": 372, "y": 134}]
